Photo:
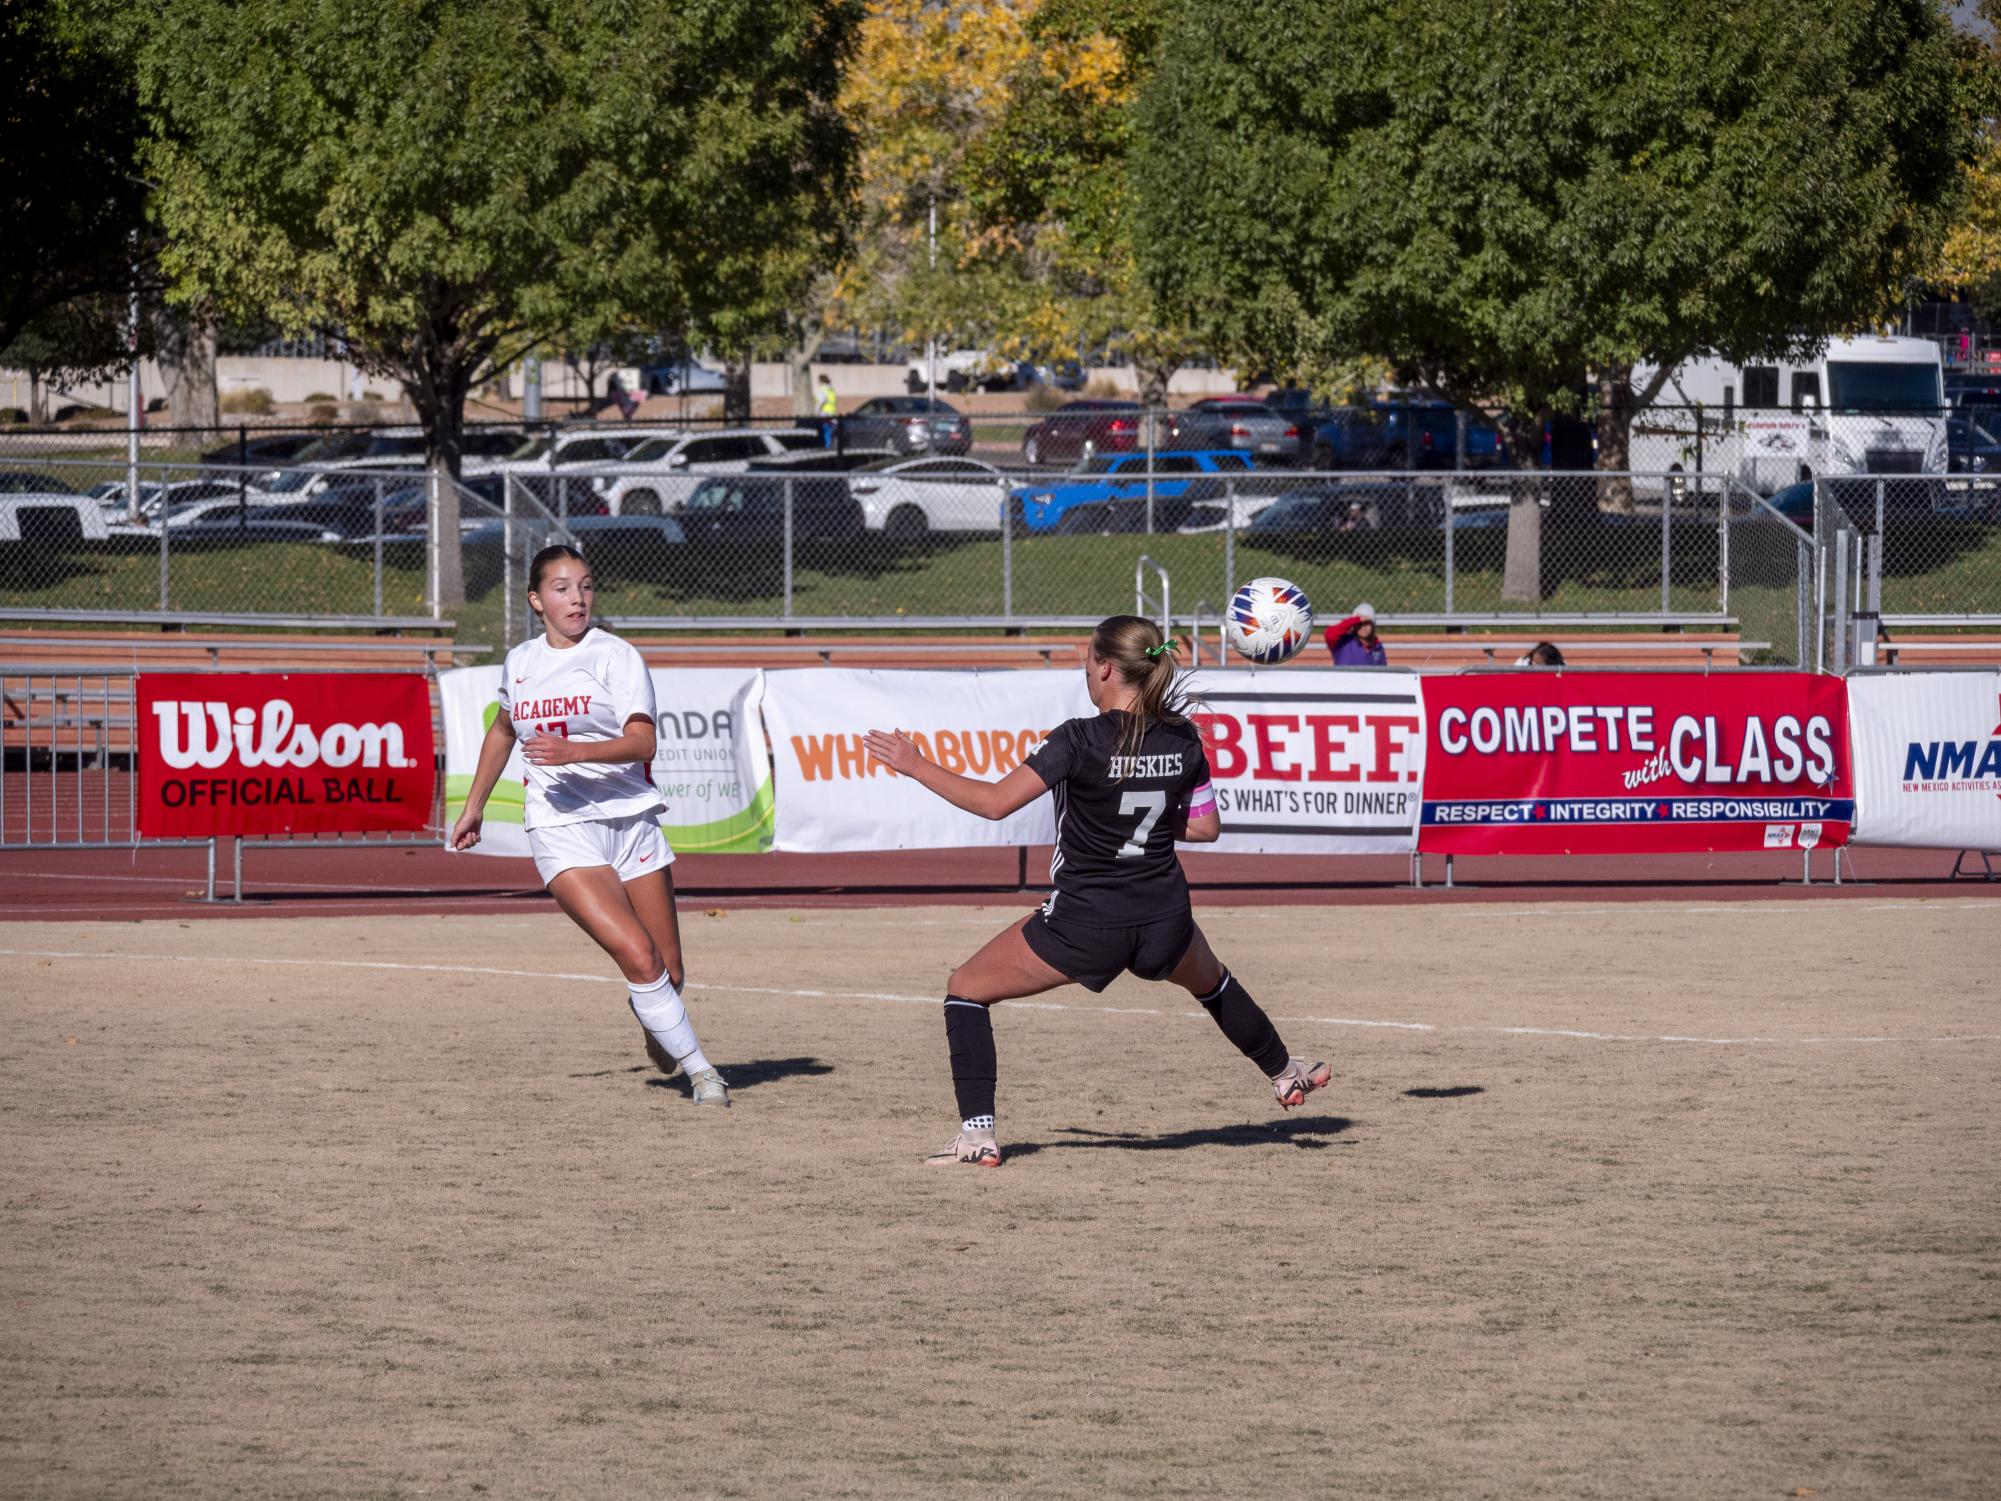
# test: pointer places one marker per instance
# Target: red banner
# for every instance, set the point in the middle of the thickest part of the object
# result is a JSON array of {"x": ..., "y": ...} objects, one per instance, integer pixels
[
  {"x": 257, "y": 753},
  {"x": 1591, "y": 763}
]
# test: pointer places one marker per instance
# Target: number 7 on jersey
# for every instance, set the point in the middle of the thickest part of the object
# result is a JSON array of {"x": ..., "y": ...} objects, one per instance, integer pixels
[{"x": 1148, "y": 804}]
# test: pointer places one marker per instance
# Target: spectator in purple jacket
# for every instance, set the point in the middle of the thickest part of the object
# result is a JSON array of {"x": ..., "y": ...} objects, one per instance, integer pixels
[{"x": 1354, "y": 642}]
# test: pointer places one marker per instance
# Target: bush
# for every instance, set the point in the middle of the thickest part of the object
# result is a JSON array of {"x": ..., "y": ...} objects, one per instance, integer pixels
[
  {"x": 323, "y": 411},
  {"x": 12, "y": 414},
  {"x": 1104, "y": 385},
  {"x": 372, "y": 396},
  {"x": 1043, "y": 398},
  {"x": 321, "y": 398},
  {"x": 362, "y": 411},
  {"x": 251, "y": 401}
]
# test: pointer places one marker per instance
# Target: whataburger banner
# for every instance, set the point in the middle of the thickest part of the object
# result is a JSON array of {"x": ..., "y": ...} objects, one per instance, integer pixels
[
  {"x": 1539, "y": 764},
  {"x": 833, "y": 796},
  {"x": 1927, "y": 759},
  {"x": 1313, "y": 762},
  {"x": 710, "y": 764}
]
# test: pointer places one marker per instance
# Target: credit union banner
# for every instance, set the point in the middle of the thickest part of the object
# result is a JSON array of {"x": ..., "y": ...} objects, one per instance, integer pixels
[
  {"x": 1312, "y": 762},
  {"x": 1590, "y": 763},
  {"x": 283, "y": 753},
  {"x": 833, "y": 796},
  {"x": 709, "y": 762}
]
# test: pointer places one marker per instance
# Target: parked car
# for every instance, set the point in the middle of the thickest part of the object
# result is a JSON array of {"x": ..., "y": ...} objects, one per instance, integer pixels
[
  {"x": 1973, "y": 458},
  {"x": 1127, "y": 514},
  {"x": 686, "y": 377},
  {"x": 908, "y": 424},
  {"x": 1176, "y": 476},
  {"x": 657, "y": 477},
  {"x": 1405, "y": 435},
  {"x": 907, "y": 499},
  {"x": 1235, "y": 422},
  {"x": 267, "y": 451},
  {"x": 1329, "y": 510},
  {"x": 636, "y": 546},
  {"x": 49, "y": 519},
  {"x": 29, "y": 482},
  {"x": 961, "y": 370},
  {"x": 341, "y": 477},
  {"x": 1091, "y": 423},
  {"x": 737, "y": 510}
]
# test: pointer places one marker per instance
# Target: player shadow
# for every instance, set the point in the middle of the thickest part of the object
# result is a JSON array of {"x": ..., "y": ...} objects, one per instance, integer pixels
[
  {"x": 1309, "y": 1133},
  {"x": 748, "y": 1075},
  {"x": 1451, "y": 1092}
]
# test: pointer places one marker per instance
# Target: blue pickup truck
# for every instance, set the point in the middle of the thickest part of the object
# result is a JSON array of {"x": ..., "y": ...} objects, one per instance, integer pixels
[
  {"x": 1180, "y": 478},
  {"x": 1405, "y": 435}
]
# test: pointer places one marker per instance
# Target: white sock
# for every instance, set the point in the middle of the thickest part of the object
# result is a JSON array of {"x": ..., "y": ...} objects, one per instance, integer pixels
[
  {"x": 659, "y": 1009},
  {"x": 978, "y": 1123}
]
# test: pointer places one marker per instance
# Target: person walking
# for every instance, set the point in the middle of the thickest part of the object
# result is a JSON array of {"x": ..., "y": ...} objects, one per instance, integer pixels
[
  {"x": 830, "y": 409},
  {"x": 580, "y": 702},
  {"x": 1128, "y": 782}
]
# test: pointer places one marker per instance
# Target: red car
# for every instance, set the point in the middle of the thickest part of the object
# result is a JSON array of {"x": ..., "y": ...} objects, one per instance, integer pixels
[{"x": 1107, "y": 426}]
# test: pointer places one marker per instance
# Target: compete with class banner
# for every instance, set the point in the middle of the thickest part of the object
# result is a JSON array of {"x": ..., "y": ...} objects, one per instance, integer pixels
[
  {"x": 1538, "y": 764},
  {"x": 833, "y": 796},
  {"x": 283, "y": 753},
  {"x": 1313, "y": 762},
  {"x": 710, "y": 763},
  {"x": 1927, "y": 759}
]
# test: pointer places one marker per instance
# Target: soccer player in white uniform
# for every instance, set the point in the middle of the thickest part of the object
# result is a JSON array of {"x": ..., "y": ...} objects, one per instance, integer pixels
[{"x": 580, "y": 702}]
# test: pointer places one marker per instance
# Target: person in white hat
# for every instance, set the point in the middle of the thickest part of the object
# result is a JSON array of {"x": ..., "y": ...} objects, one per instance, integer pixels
[{"x": 1354, "y": 642}]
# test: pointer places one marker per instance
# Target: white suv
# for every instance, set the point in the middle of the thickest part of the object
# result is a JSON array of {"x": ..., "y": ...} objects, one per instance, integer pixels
[{"x": 659, "y": 475}]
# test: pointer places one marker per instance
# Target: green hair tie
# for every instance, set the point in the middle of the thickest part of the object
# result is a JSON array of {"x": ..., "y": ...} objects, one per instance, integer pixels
[{"x": 1168, "y": 645}]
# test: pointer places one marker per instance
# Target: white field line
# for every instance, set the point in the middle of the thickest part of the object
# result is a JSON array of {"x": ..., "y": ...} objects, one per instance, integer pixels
[{"x": 932, "y": 1000}]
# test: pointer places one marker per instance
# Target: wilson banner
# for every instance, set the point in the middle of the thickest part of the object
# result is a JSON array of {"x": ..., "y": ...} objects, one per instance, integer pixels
[
  {"x": 283, "y": 753},
  {"x": 710, "y": 762},
  {"x": 833, "y": 796},
  {"x": 1538, "y": 764},
  {"x": 1313, "y": 762}
]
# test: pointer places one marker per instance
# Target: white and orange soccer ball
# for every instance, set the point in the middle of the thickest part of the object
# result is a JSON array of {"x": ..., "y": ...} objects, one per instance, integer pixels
[{"x": 1269, "y": 620}]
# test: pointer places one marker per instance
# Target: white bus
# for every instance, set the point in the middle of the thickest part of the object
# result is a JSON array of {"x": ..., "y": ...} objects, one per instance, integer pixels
[{"x": 1872, "y": 405}]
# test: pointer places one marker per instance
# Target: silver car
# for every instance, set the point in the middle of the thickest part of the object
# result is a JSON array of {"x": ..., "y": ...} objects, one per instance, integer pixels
[{"x": 1234, "y": 422}]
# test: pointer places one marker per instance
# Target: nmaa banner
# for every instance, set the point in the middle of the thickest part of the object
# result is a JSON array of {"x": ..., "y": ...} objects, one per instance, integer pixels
[
  {"x": 1312, "y": 762},
  {"x": 1927, "y": 759},
  {"x": 709, "y": 761}
]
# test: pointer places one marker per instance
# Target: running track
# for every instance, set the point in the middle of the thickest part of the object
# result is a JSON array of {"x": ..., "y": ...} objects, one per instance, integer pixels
[{"x": 96, "y": 885}]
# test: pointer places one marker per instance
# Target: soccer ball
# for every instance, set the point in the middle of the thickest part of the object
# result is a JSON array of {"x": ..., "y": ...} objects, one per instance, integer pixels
[{"x": 1269, "y": 620}]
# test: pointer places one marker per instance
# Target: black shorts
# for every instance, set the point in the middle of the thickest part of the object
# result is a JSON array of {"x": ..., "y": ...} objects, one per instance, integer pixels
[{"x": 1094, "y": 957}]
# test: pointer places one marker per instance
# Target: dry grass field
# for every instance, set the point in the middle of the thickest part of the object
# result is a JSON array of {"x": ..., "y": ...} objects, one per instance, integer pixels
[{"x": 1621, "y": 1201}]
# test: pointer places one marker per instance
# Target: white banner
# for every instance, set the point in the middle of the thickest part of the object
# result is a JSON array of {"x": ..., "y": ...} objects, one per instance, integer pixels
[
  {"x": 1927, "y": 750},
  {"x": 1313, "y": 762},
  {"x": 833, "y": 796},
  {"x": 711, "y": 763}
]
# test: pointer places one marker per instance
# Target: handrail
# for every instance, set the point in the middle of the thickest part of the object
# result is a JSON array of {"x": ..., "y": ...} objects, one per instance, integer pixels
[
  {"x": 176, "y": 619},
  {"x": 1140, "y": 600}
]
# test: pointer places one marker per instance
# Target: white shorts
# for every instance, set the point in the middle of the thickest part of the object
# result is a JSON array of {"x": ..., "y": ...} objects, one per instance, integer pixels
[{"x": 631, "y": 846}]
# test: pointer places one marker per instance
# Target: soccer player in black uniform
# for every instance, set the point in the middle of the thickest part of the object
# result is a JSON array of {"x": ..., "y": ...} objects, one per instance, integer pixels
[{"x": 1128, "y": 782}]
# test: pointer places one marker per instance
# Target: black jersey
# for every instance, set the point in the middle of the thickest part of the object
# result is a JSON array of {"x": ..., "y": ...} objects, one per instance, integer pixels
[{"x": 1116, "y": 818}]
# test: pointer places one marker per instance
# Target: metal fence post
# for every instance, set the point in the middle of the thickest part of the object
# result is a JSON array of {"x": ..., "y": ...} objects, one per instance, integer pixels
[
  {"x": 1667, "y": 559},
  {"x": 1007, "y": 554},
  {"x": 378, "y": 546},
  {"x": 1229, "y": 539},
  {"x": 1839, "y": 664},
  {"x": 163, "y": 558},
  {"x": 507, "y": 620},
  {"x": 788, "y": 546},
  {"x": 1723, "y": 551},
  {"x": 1802, "y": 588},
  {"x": 1450, "y": 569}
]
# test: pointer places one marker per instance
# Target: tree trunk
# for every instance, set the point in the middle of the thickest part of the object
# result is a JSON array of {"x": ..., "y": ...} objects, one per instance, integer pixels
[
  {"x": 1521, "y": 578},
  {"x": 186, "y": 345},
  {"x": 800, "y": 358},
  {"x": 439, "y": 395},
  {"x": 736, "y": 387},
  {"x": 38, "y": 405},
  {"x": 1615, "y": 440}
]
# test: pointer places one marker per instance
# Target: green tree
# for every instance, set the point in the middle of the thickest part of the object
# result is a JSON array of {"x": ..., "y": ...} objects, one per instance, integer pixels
[
  {"x": 1510, "y": 199},
  {"x": 70, "y": 195},
  {"x": 450, "y": 183}
]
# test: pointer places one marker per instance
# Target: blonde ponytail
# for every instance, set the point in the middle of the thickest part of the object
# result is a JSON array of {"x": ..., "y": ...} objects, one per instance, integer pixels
[{"x": 1144, "y": 660}]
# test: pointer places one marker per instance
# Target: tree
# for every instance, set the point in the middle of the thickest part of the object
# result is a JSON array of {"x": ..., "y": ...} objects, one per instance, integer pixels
[
  {"x": 1509, "y": 200},
  {"x": 449, "y": 184},
  {"x": 83, "y": 339},
  {"x": 70, "y": 195}
]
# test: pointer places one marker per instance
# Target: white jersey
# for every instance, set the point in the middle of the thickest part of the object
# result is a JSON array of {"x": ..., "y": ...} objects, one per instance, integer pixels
[{"x": 584, "y": 692}]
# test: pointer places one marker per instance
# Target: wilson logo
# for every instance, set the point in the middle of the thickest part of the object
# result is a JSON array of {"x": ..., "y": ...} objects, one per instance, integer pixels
[{"x": 206, "y": 735}]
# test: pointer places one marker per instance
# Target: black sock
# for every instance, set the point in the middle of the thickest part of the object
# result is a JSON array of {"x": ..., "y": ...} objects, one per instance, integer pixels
[
  {"x": 969, "y": 1032},
  {"x": 1244, "y": 1022}
]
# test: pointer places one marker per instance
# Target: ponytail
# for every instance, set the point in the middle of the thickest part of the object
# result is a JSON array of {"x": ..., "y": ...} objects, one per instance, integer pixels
[{"x": 1144, "y": 660}]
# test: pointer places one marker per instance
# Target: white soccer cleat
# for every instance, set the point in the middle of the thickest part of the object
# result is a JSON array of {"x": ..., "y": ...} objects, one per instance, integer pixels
[
  {"x": 709, "y": 1088},
  {"x": 1298, "y": 1079},
  {"x": 973, "y": 1148}
]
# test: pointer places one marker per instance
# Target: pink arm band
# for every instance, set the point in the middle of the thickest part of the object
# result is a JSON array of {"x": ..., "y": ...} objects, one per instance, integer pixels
[{"x": 1202, "y": 801}]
